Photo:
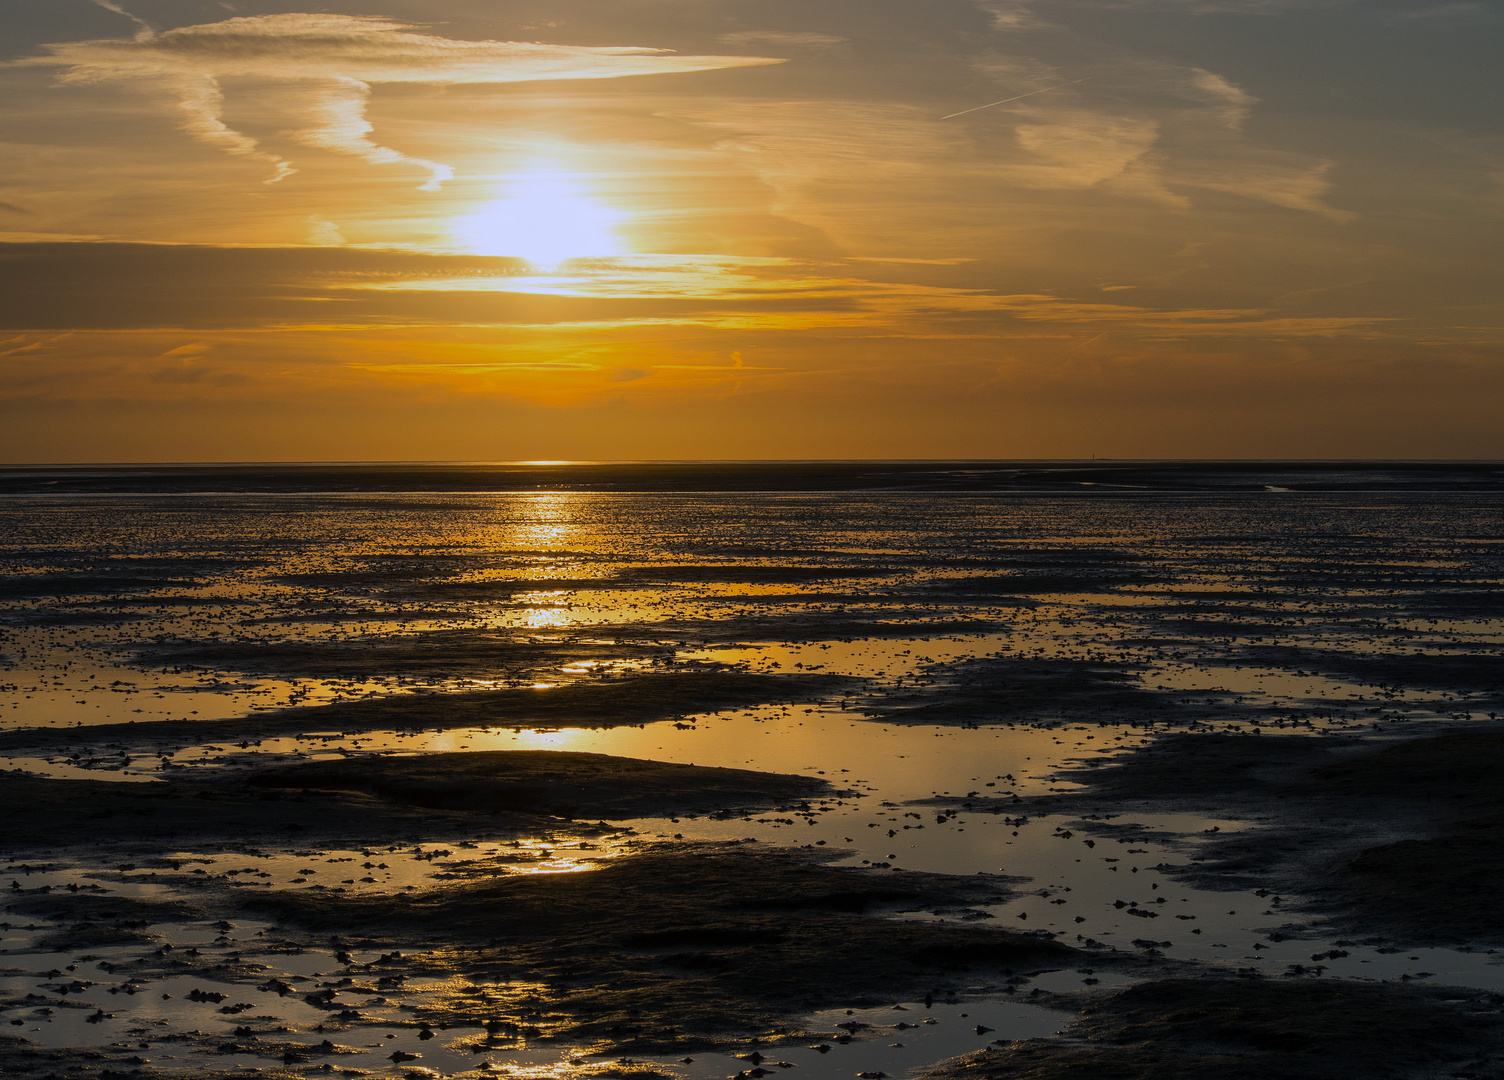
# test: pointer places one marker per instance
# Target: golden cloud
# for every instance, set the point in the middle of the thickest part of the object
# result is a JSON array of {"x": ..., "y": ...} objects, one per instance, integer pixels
[{"x": 337, "y": 58}]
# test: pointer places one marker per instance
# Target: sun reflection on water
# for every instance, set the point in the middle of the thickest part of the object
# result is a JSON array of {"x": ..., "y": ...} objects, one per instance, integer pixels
[
  {"x": 543, "y": 738},
  {"x": 548, "y": 519}
]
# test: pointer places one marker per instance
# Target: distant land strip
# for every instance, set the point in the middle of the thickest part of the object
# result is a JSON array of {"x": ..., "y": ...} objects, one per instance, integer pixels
[{"x": 1100, "y": 477}]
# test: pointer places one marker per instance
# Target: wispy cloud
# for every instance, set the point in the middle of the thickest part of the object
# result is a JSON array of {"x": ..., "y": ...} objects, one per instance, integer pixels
[
  {"x": 334, "y": 60},
  {"x": 1011, "y": 14},
  {"x": 110, "y": 5},
  {"x": 1233, "y": 103},
  {"x": 1144, "y": 130},
  {"x": 1206, "y": 7},
  {"x": 340, "y": 125},
  {"x": 1082, "y": 149},
  {"x": 1275, "y": 181},
  {"x": 324, "y": 233},
  {"x": 782, "y": 40},
  {"x": 799, "y": 295},
  {"x": 24, "y": 345},
  {"x": 1463, "y": 13}
]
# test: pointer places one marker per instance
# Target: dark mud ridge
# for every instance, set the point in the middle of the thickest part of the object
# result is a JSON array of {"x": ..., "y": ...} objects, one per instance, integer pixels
[
  {"x": 1402, "y": 839},
  {"x": 640, "y": 699},
  {"x": 553, "y": 782},
  {"x": 1479, "y": 674},
  {"x": 92, "y": 921},
  {"x": 521, "y": 658},
  {"x": 650, "y": 576},
  {"x": 679, "y": 946},
  {"x": 1052, "y": 691},
  {"x": 446, "y": 653},
  {"x": 1000, "y": 689},
  {"x": 372, "y": 799},
  {"x": 1228, "y": 1029}
]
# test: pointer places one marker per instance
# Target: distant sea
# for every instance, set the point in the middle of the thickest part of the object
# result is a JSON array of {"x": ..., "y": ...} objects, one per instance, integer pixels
[{"x": 707, "y": 476}]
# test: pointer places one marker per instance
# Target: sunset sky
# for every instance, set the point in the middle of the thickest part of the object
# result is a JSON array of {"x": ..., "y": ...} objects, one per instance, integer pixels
[{"x": 588, "y": 229}]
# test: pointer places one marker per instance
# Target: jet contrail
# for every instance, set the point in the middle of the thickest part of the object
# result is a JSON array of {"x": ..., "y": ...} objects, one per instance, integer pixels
[
  {"x": 110, "y": 5},
  {"x": 1020, "y": 97}
]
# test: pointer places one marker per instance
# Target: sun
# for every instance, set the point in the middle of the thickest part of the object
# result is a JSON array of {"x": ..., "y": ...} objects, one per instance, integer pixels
[{"x": 546, "y": 218}]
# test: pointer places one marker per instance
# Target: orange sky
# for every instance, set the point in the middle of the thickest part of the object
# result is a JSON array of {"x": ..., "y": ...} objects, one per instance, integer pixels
[{"x": 701, "y": 228}]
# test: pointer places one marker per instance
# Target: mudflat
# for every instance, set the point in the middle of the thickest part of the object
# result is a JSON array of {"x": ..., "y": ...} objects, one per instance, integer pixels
[
  {"x": 1180, "y": 770},
  {"x": 1403, "y": 838},
  {"x": 1228, "y": 1029},
  {"x": 681, "y": 946},
  {"x": 638, "y": 699},
  {"x": 374, "y": 799}
]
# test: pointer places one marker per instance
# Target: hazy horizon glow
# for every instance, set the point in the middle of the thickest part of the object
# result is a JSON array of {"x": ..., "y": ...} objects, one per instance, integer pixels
[{"x": 708, "y": 229}]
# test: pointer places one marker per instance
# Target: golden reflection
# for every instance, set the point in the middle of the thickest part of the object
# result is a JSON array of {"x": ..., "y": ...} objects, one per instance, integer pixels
[
  {"x": 585, "y": 667},
  {"x": 546, "y": 218},
  {"x": 543, "y": 739},
  {"x": 546, "y": 618},
  {"x": 558, "y": 866},
  {"x": 547, "y": 857},
  {"x": 547, "y": 519}
]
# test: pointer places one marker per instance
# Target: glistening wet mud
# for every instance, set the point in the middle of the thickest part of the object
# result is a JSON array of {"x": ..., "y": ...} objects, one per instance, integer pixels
[
  {"x": 1402, "y": 839},
  {"x": 633, "y": 700},
  {"x": 380, "y": 799},
  {"x": 683, "y": 947},
  {"x": 475, "y": 782},
  {"x": 1219, "y": 1029}
]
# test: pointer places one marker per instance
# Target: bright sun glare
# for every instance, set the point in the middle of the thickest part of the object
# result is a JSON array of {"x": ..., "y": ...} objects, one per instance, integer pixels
[{"x": 546, "y": 218}]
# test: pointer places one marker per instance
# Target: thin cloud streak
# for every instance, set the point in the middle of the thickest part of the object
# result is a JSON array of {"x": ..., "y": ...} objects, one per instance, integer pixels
[
  {"x": 339, "y": 112},
  {"x": 337, "y": 58},
  {"x": 1019, "y": 97},
  {"x": 109, "y": 5}
]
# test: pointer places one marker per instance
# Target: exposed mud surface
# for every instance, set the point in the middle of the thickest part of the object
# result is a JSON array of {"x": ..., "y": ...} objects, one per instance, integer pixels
[
  {"x": 19, "y": 1058},
  {"x": 546, "y": 782},
  {"x": 1404, "y": 839},
  {"x": 41, "y": 814},
  {"x": 628, "y": 577},
  {"x": 1002, "y": 689},
  {"x": 1219, "y": 1029},
  {"x": 372, "y": 799},
  {"x": 680, "y": 946},
  {"x": 69, "y": 585},
  {"x": 452, "y": 653},
  {"x": 638, "y": 699},
  {"x": 1480, "y": 672},
  {"x": 300, "y": 893},
  {"x": 520, "y": 659},
  {"x": 92, "y": 922}
]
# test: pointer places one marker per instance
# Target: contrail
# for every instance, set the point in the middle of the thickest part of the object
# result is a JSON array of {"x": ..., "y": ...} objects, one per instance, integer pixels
[
  {"x": 110, "y": 5},
  {"x": 1020, "y": 97}
]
